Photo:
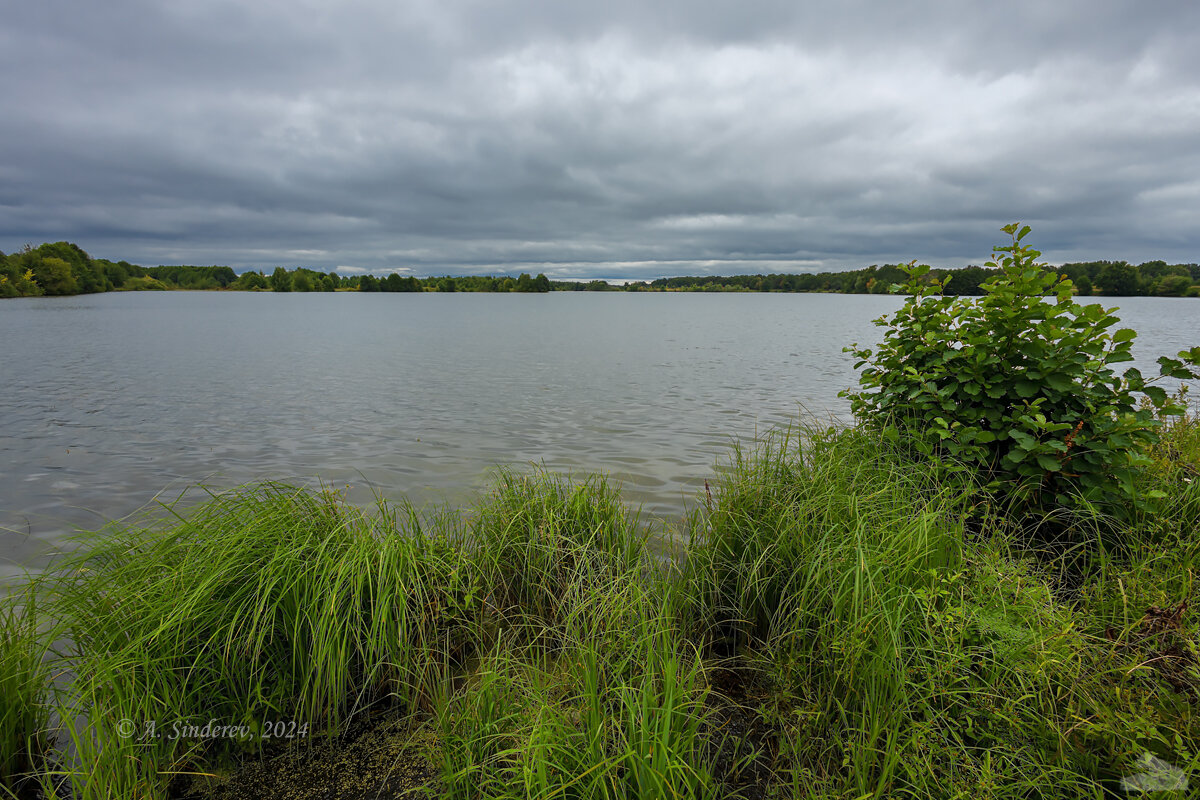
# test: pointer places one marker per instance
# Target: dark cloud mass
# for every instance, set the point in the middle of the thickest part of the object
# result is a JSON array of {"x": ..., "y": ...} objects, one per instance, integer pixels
[{"x": 617, "y": 139}]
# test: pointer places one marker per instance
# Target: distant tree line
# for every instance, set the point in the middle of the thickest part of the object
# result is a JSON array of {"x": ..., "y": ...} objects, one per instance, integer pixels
[
  {"x": 1113, "y": 278},
  {"x": 466, "y": 283},
  {"x": 63, "y": 268},
  {"x": 307, "y": 280}
]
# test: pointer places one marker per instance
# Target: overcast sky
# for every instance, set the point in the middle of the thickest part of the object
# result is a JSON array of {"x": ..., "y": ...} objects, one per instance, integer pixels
[{"x": 616, "y": 139}]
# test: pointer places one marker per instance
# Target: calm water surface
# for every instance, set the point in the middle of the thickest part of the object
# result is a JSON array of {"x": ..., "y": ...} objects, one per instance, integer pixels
[{"x": 111, "y": 400}]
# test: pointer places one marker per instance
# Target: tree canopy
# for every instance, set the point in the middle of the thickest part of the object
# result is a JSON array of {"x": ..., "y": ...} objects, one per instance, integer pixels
[{"x": 63, "y": 268}]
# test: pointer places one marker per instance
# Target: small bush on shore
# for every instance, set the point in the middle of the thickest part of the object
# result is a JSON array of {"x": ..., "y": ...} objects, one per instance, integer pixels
[{"x": 1017, "y": 389}]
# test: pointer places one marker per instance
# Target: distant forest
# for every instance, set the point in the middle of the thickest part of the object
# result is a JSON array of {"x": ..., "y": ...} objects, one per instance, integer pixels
[{"x": 63, "y": 268}]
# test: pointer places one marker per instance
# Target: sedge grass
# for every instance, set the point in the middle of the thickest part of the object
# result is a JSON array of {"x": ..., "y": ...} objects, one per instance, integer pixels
[
  {"x": 902, "y": 641},
  {"x": 24, "y": 694},
  {"x": 909, "y": 657},
  {"x": 572, "y": 727},
  {"x": 539, "y": 537},
  {"x": 266, "y": 605}
]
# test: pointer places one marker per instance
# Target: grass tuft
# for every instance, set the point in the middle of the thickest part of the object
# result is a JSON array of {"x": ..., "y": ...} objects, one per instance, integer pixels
[
  {"x": 848, "y": 621},
  {"x": 25, "y": 740}
]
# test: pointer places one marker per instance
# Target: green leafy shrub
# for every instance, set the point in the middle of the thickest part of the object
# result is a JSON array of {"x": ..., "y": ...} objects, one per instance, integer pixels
[{"x": 1017, "y": 386}]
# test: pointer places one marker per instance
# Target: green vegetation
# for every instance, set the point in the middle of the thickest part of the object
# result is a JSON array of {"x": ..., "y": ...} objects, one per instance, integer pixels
[
  {"x": 872, "y": 611},
  {"x": 63, "y": 268},
  {"x": 1018, "y": 390},
  {"x": 24, "y": 678},
  {"x": 281, "y": 280},
  {"x": 1113, "y": 278},
  {"x": 194, "y": 277},
  {"x": 837, "y": 628}
]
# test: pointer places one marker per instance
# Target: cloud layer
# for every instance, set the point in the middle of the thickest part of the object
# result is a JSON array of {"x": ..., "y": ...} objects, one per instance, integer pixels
[{"x": 611, "y": 140}]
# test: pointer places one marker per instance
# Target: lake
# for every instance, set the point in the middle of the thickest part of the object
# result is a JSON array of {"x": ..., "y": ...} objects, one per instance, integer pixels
[{"x": 112, "y": 400}]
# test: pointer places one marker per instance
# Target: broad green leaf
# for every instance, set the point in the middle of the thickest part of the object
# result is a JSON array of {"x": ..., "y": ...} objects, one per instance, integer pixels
[
  {"x": 1025, "y": 388},
  {"x": 1157, "y": 395},
  {"x": 1124, "y": 335},
  {"x": 1059, "y": 382},
  {"x": 1049, "y": 463}
]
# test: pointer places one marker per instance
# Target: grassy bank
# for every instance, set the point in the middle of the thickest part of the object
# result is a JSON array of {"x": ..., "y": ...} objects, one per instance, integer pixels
[{"x": 846, "y": 623}]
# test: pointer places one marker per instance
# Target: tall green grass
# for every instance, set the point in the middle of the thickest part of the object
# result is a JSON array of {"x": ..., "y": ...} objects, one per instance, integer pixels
[
  {"x": 909, "y": 654},
  {"x": 539, "y": 541},
  {"x": 596, "y": 692},
  {"x": 582, "y": 724},
  {"x": 24, "y": 693},
  {"x": 267, "y": 604},
  {"x": 888, "y": 630}
]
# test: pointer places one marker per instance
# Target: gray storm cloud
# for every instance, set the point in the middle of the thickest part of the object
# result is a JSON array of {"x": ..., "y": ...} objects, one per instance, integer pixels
[{"x": 611, "y": 140}]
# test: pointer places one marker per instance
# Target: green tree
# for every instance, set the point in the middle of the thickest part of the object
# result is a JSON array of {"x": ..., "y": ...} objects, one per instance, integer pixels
[
  {"x": 17, "y": 278},
  {"x": 447, "y": 284},
  {"x": 368, "y": 283},
  {"x": 116, "y": 274},
  {"x": 281, "y": 280},
  {"x": 54, "y": 276},
  {"x": 1150, "y": 274},
  {"x": 967, "y": 280},
  {"x": 1174, "y": 285},
  {"x": 188, "y": 277},
  {"x": 85, "y": 276},
  {"x": 251, "y": 280},
  {"x": 1118, "y": 279},
  {"x": 301, "y": 282}
]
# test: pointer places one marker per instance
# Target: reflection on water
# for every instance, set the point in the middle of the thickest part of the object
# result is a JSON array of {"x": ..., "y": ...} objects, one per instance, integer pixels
[{"x": 116, "y": 398}]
